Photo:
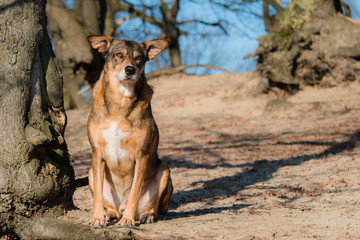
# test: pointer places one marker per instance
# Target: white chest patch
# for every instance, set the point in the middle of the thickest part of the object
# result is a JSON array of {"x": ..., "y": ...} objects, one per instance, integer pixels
[
  {"x": 126, "y": 89},
  {"x": 113, "y": 137}
]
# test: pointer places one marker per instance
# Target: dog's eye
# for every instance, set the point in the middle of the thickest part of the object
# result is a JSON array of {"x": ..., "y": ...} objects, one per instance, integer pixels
[
  {"x": 138, "y": 58},
  {"x": 120, "y": 55}
]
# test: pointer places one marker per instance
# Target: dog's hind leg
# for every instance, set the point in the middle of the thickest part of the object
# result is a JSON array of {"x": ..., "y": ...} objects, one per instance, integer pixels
[
  {"x": 166, "y": 188},
  {"x": 160, "y": 199}
]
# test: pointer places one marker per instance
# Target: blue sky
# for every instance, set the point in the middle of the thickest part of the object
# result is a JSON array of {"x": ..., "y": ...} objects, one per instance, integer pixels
[
  {"x": 242, "y": 38},
  {"x": 225, "y": 51},
  {"x": 228, "y": 50}
]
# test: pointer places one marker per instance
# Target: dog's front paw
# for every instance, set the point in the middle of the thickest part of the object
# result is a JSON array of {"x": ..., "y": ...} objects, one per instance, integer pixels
[
  {"x": 127, "y": 222},
  {"x": 98, "y": 222}
]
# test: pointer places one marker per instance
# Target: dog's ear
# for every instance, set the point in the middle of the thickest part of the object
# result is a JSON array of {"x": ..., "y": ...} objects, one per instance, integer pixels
[
  {"x": 154, "y": 47},
  {"x": 102, "y": 43}
]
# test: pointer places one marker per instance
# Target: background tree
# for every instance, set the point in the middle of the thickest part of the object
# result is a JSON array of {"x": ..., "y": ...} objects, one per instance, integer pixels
[
  {"x": 69, "y": 29},
  {"x": 192, "y": 27},
  {"x": 36, "y": 176},
  {"x": 171, "y": 23},
  {"x": 309, "y": 43},
  {"x": 71, "y": 23}
]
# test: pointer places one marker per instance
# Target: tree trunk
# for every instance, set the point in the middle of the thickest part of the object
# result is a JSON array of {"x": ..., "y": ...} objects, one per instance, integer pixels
[
  {"x": 69, "y": 31},
  {"x": 307, "y": 46},
  {"x": 268, "y": 19},
  {"x": 174, "y": 52},
  {"x": 36, "y": 176},
  {"x": 170, "y": 31}
]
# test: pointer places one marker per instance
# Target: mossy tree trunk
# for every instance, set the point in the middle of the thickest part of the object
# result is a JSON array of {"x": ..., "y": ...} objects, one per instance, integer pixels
[
  {"x": 310, "y": 43},
  {"x": 36, "y": 176}
]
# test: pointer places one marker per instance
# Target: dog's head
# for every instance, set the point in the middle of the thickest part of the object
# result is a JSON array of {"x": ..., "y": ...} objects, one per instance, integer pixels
[{"x": 125, "y": 60}]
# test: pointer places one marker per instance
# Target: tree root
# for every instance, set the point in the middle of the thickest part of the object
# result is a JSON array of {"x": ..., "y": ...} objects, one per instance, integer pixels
[{"x": 52, "y": 228}]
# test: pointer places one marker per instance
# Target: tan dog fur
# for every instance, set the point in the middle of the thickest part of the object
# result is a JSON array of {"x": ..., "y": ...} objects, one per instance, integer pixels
[{"x": 127, "y": 178}]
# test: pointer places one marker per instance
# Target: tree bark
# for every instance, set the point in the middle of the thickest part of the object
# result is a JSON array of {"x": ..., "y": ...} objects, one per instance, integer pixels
[
  {"x": 268, "y": 19},
  {"x": 309, "y": 45},
  {"x": 170, "y": 30},
  {"x": 174, "y": 52},
  {"x": 69, "y": 31},
  {"x": 36, "y": 175}
]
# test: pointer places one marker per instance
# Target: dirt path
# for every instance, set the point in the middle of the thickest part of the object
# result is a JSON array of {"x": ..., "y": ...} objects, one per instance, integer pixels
[{"x": 239, "y": 174}]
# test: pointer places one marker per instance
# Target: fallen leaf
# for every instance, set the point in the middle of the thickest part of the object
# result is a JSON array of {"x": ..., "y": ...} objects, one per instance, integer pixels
[
  {"x": 321, "y": 186},
  {"x": 238, "y": 197}
]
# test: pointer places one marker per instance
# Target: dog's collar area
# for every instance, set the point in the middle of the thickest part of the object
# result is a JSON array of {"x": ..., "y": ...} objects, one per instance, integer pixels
[
  {"x": 127, "y": 88},
  {"x": 128, "y": 80}
]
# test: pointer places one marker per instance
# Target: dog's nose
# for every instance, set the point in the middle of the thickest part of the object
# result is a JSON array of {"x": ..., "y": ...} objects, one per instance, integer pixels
[{"x": 130, "y": 70}]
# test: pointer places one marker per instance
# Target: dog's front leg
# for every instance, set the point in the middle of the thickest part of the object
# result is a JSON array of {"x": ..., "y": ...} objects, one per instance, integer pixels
[
  {"x": 128, "y": 218},
  {"x": 98, "y": 169}
]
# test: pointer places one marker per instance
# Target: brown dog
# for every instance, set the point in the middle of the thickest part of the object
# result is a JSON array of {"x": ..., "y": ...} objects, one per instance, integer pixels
[{"x": 127, "y": 178}]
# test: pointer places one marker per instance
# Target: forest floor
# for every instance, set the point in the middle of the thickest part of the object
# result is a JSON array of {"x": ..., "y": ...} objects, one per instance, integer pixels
[{"x": 242, "y": 170}]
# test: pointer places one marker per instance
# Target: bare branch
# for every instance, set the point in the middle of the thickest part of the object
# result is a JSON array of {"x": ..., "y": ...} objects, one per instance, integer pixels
[
  {"x": 180, "y": 69},
  {"x": 276, "y": 4},
  {"x": 346, "y": 8},
  {"x": 122, "y": 20},
  {"x": 233, "y": 5},
  {"x": 90, "y": 10},
  {"x": 216, "y": 24},
  {"x": 130, "y": 9},
  {"x": 175, "y": 6},
  {"x": 109, "y": 21},
  {"x": 77, "y": 5}
]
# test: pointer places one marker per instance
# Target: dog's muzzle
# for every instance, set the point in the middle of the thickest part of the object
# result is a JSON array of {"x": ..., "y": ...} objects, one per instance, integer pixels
[
  {"x": 130, "y": 70},
  {"x": 129, "y": 73}
]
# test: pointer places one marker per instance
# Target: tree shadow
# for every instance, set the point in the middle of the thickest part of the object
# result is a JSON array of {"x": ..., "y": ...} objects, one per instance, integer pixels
[
  {"x": 255, "y": 172},
  {"x": 215, "y": 149}
]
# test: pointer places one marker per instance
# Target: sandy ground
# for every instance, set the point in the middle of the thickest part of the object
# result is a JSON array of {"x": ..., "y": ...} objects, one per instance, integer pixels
[{"x": 241, "y": 174}]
